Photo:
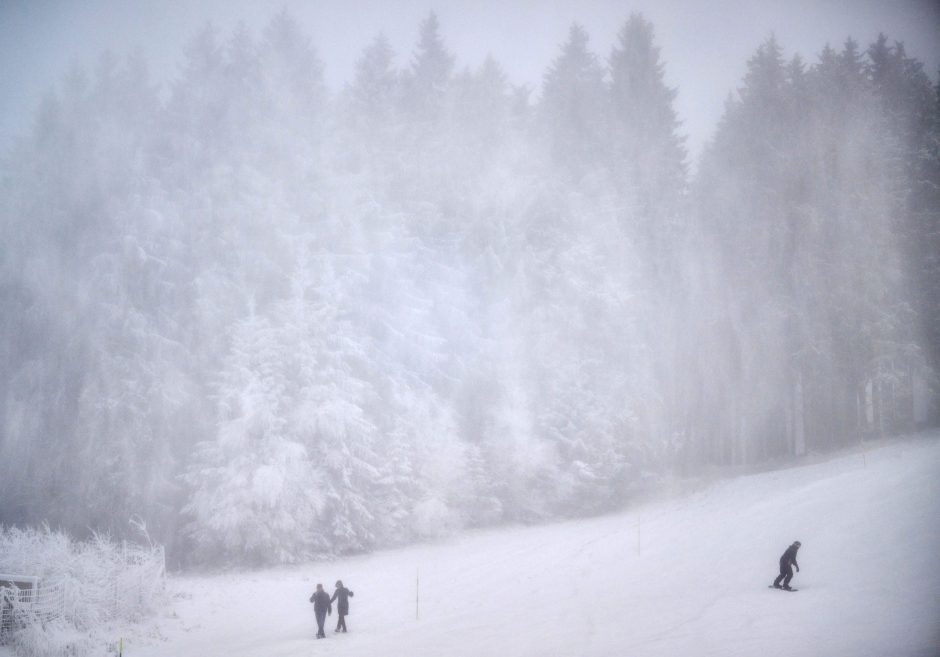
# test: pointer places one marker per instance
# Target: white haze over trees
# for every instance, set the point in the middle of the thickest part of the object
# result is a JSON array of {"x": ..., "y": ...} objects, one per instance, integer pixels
[{"x": 279, "y": 323}]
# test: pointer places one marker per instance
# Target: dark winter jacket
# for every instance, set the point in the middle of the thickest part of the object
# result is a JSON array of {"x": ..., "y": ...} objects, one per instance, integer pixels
[
  {"x": 342, "y": 596},
  {"x": 321, "y": 602},
  {"x": 789, "y": 557}
]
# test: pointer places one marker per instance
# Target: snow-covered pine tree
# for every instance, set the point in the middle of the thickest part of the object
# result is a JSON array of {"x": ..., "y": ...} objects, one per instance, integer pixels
[{"x": 255, "y": 495}]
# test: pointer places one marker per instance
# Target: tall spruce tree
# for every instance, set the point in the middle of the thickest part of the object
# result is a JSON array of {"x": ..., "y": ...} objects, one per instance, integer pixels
[
  {"x": 648, "y": 154},
  {"x": 428, "y": 78},
  {"x": 649, "y": 171},
  {"x": 572, "y": 108}
]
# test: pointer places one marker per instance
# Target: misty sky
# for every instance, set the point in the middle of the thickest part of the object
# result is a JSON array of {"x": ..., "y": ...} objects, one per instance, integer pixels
[{"x": 704, "y": 44}]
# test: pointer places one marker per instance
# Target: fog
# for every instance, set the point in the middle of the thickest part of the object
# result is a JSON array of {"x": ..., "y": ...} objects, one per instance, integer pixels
[
  {"x": 296, "y": 284},
  {"x": 705, "y": 45}
]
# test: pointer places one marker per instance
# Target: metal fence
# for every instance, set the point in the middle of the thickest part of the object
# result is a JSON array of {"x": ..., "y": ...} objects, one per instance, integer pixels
[{"x": 129, "y": 592}]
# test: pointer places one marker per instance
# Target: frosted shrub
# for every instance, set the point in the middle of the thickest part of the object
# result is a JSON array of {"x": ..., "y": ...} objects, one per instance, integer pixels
[
  {"x": 55, "y": 637},
  {"x": 83, "y": 586}
]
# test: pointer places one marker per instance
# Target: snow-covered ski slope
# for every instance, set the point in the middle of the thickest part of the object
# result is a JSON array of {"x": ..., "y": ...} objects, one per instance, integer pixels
[{"x": 682, "y": 577}]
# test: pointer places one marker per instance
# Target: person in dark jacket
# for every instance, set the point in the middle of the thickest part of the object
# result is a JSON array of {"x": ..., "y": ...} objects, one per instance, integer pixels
[
  {"x": 321, "y": 607},
  {"x": 787, "y": 562},
  {"x": 341, "y": 595}
]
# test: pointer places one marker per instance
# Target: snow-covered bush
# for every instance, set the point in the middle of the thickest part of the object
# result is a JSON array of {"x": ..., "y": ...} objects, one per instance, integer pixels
[{"x": 83, "y": 586}]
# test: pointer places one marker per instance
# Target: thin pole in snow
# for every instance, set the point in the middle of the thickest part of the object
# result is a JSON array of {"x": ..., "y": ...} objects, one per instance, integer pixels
[
  {"x": 417, "y": 583},
  {"x": 638, "y": 519}
]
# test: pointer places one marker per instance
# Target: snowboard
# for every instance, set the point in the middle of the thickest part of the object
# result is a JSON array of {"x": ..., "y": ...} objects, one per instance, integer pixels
[{"x": 791, "y": 590}]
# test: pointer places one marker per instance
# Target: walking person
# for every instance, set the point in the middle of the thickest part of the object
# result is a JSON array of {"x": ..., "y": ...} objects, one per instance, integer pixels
[
  {"x": 321, "y": 607},
  {"x": 787, "y": 562},
  {"x": 342, "y": 596}
]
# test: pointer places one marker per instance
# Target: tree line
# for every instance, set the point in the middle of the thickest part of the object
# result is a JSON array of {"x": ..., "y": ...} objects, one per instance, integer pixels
[{"x": 280, "y": 323}]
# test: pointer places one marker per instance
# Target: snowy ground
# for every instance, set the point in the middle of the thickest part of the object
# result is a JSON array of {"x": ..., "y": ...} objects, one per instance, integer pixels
[{"x": 686, "y": 576}]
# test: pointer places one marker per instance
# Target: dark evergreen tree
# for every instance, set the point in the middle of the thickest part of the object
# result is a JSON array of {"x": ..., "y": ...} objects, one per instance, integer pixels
[
  {"x": 429, "y": 76},
  {"x": 572, "y": 108},
  {"x": 376, "y": 86},
  {"x": 648, "y": 154},
  {"x": 909, "y": 104},
  {"x": 648, "y": 167},
  {"x": 926, "y": 265},
  {"x": 741, "y": 185}
]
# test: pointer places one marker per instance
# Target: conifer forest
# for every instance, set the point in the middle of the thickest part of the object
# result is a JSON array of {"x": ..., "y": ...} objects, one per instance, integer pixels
[{"x": 277, "y": 321}]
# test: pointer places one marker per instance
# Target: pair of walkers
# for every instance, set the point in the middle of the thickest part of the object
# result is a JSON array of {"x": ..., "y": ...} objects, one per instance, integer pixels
[{"x": 323, "y": 605}]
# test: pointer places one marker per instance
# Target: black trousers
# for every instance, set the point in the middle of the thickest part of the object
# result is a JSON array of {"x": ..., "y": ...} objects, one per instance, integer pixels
[
  {"x": 341, "y": 623},
  {"x": 786, "y": 574},
  {"x": 321, "y": 618}
]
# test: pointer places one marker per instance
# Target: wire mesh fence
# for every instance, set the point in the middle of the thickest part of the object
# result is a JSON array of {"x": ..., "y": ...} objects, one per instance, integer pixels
[{"x": 126, "y": 588}]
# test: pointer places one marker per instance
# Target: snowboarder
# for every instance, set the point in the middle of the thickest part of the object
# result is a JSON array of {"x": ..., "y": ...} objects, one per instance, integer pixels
[
  {"x": 341, "y": 595},
  {"x": 787, "y": 562},
  {"x": 321, "y": 607}
]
